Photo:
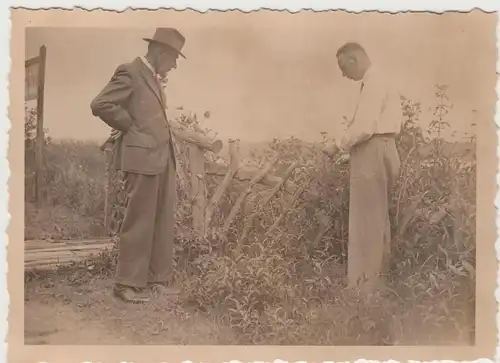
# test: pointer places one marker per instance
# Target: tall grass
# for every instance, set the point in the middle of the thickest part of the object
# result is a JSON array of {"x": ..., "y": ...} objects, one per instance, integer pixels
[
  {"x": 287, "y": 287},
  {"x": 73, "y": 189}
]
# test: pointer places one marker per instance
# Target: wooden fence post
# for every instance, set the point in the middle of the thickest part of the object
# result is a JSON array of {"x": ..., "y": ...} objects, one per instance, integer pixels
[
  {"x": 226, "y": 182},
  {"x": 109, "y": 189},
  {"x": 198, "y": 189},
  {"x": 40, "y": 139}
]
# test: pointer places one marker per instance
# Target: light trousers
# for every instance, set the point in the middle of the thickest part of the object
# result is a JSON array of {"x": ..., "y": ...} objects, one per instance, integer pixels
[{"x": 374, "y": 169}]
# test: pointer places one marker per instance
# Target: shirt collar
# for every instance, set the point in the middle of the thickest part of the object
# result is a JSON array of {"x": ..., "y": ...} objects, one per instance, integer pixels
[
  {"x": 146, "y": 62},
  {"x": 369, "y": 73}
]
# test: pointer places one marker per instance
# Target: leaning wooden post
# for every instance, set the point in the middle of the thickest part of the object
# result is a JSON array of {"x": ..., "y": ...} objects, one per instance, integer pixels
[
  {"x": 40, "y": 139},
  {"x": 226, "y": 182},
  {"x": 198, "y": 190},
  {"x": 237, "y": 205},
  {"x": 287, "y": 209},
  {"x": 250, "y": 219}
]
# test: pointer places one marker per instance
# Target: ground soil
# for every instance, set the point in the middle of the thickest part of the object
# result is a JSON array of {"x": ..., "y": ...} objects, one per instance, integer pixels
[
  {"x": 58, "y": 313},
  {"x": 79, "y": 309}
]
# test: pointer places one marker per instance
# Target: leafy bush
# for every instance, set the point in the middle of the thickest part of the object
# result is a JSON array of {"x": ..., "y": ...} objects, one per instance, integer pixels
[
  {"x": 73, "y": 187},
  {"x": 287, "y": 286}
]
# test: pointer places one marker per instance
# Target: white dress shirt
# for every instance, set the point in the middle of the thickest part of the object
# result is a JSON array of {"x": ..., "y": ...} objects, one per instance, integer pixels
[
  {"x": 146, "y": 62},
  {"x": 159, "y": 80},
  {"x": 378, "y": 111}
]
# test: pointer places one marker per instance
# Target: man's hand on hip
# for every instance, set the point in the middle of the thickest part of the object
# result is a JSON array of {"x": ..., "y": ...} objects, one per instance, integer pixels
[
  {"x": 116, "y": 134},
  {"x": 344, "y": 158}
]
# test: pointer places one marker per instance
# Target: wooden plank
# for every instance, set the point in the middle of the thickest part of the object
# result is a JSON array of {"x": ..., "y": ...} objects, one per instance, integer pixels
[
  {"x": 63, "y": 249},
  {"x": 59, "y": 255},
  {"x": 63, "y": 255},
  {"x": 67, "y": 250},
  {"x": 39, "y": 254},
  {"x": 40, "y": 139},
  {"x": 71, "y": 241},
  {"x": 43, "y": 244},
  {"x": 36, "y": 261},
  {"x": 53, "y": 262},
  {"x": 246, "y": 173}
]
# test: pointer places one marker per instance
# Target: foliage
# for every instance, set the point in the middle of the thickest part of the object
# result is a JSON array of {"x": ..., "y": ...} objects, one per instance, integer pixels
[
  {"x": 287, "y": 286},
  {"x": 73, "y": 187}
]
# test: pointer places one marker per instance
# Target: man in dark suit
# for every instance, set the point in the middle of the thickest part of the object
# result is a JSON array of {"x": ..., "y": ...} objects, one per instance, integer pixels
[{"x": 133, "y": 105}]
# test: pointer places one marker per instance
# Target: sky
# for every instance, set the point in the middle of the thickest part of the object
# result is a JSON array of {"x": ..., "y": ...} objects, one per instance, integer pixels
[{"x": 265, "y": 75}]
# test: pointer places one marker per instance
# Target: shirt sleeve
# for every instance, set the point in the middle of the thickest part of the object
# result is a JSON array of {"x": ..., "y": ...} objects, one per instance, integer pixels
[{"x": 364, "y": 122}]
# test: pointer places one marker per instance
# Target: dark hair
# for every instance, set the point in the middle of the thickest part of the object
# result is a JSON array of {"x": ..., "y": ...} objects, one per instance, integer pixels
[{"x": 350, "y": 47}]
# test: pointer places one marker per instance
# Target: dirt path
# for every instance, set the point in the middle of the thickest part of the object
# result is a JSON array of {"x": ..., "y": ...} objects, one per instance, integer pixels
[
  {"x": 60, "y": 324},
  {"x": 58, "y": 313},
  {"x": 81, "y": 310}
]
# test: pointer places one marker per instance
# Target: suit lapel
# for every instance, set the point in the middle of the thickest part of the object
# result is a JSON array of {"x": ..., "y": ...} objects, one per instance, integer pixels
[
  {"x": 155, "y": 87},
  {"x": 151, "y": 82}
]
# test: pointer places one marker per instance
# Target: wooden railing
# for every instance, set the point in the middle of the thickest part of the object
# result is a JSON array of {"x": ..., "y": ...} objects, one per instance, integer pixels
[{"x": 203, "y": 206}]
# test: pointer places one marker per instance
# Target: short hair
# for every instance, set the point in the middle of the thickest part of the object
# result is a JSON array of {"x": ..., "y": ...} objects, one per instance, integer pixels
[{"x": 350, "y": 47}]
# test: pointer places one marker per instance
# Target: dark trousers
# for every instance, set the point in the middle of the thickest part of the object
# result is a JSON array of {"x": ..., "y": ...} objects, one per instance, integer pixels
[{"x": 146, "y": 244}]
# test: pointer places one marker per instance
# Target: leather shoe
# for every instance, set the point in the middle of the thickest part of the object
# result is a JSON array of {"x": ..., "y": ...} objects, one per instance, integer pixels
[{"x": 130, "y": 294}]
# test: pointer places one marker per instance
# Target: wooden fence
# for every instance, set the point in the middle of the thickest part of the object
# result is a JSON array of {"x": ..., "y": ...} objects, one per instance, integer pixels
[
  {"x": 203, "y": 206},
  {"x": 50, "y": 254}
]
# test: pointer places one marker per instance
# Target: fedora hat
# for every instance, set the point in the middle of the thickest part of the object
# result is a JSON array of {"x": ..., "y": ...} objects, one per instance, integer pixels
[{"x": 170, "y": 37}]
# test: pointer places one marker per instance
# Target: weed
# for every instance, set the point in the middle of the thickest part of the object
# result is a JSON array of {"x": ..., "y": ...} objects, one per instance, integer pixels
[{"x": 287, "y": 286}]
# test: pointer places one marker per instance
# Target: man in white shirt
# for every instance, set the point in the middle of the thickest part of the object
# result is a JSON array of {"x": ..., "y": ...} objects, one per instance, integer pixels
[{"x": 374, "y": 165}]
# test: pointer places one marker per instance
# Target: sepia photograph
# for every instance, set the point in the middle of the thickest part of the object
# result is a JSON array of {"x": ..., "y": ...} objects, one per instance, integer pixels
[{"x": 259, "y": 179}]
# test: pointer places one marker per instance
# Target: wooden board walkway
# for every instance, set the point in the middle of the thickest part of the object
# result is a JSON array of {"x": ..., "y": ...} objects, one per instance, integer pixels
[{"x": 50, "y": 254}]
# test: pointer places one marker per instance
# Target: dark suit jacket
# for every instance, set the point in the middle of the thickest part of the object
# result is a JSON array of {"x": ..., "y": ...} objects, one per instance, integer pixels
[{"x": 133, "y": 103}]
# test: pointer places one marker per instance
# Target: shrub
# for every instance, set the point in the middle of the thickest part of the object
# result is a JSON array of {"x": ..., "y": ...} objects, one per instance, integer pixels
[
  {"x": 286, "y": 287},
  {"x": 73, "y": 188}
]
